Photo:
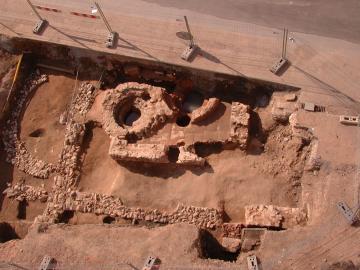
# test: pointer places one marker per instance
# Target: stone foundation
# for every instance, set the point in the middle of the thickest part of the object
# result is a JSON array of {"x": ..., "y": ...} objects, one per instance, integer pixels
[
  {"x": 274, "y": 216},
  {"x": 239, "y": 124}
]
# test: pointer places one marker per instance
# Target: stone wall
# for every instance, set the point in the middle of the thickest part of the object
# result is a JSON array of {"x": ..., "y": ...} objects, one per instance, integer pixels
[
  {"x": 239, "y": 124},
  {"x": 15, "y": 149},
  {"x": 109, "y": 205},
  {"x": 122, "y": 150},
  {"x": 21, "y": 192},
  {"x": 208, "y": 108},
  {"x": 274, "y": 216}
]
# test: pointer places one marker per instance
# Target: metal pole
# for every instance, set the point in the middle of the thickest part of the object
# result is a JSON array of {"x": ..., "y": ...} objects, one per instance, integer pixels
[
  {"x": 188, "y": 29},
  {"x": 103, "y": 17},
  {"x": 284, "y": 46},
  {"x": 34, "y": 9}
]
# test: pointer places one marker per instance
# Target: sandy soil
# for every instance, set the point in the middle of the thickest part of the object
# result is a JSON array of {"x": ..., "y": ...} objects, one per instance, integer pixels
[
  {"x": 105, "y": 247},
  {"x": 297, "y": 15},
  {"x": 42, "y": 116}
]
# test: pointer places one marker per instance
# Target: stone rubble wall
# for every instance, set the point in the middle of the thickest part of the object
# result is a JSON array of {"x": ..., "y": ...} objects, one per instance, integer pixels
[
  {"x": 274, "y": 216},
  {"x": 70, "y": 157},
  {"x": 205, "y": 110},
  {"x": 100, "y": 204},
  {"x": 15, "y": 149},
  {"x": 239, "y": 124},
  {"x": 121, "y": 150},
  {"x": 109, "y": 205},
  {"x": 21, "y": 192},
  {"x": 232, "y": 230},
  {"x": 84, "y": 98}
]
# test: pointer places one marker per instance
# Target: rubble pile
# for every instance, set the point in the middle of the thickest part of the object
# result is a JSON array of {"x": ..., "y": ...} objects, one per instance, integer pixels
[
  {"x": 154, "y": 104},
  {"x": 21, "y": 192},
  {"x": 274, "y": 216},
  {"x": 84, "y": 98},
  {"x": 232, "y": 230},
  {"x": 30, "y": 165},
  {"x": 201, "y": 113},
  {"x": 16, "y": 152},
  {"x": 239, "y": 124}
]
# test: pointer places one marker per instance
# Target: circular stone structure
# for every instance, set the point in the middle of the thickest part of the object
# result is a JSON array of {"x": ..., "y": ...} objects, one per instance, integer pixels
[{"x": 133, "y": 109}]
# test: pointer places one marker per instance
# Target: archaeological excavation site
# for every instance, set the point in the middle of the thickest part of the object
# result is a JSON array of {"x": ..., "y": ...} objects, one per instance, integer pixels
[{"x": 108, "y": 161}]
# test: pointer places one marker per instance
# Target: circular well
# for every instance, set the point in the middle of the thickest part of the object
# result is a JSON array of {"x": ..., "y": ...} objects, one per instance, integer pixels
[
  {"x": 133, "y": 115},
  {"x": 183, "y": 120}
]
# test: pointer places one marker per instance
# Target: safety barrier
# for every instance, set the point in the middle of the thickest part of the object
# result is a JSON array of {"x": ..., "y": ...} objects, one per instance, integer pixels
[{"x": 48, "y": 9}]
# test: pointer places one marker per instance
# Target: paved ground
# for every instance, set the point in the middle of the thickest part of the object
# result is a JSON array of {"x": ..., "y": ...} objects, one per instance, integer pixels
[{"x": 307, "y": 16}]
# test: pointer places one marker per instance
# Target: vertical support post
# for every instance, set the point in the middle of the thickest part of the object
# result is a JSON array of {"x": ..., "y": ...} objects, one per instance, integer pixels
[
  {"x": 103, "y": 17},
  {"x": 34, "y": 9},
  {"x": 190, "y": 35},
  {"x": 284, "y": 46}
]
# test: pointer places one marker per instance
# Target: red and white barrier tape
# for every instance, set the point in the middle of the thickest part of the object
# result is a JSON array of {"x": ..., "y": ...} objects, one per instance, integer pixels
[
  {"x": 48, "y": 9},
  {"x": 84, "y": 15}
]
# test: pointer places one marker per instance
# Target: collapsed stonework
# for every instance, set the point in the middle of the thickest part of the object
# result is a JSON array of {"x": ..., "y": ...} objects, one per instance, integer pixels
[
  {"x": 274, "y": 216},
  {"x": 232, "y": 230},
  {"x": 21, "y": 192}
]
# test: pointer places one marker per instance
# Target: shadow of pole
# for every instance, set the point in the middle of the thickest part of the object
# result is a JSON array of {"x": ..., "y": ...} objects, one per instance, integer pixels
[
  {"x": 11, "y": 30},
  {"x": 136, "y": 48},
  {"x": 216, "y": 60},
  {"x": 69, "y": 36},
  {"x": 336, "y": 92}
]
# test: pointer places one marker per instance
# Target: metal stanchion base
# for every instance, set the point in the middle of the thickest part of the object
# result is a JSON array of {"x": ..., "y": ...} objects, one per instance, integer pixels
[
  {"x": 111, "y": 40},
  {"x": 278, "y": 65},
  {"x": 189, "y": 53},
  {"x": 40, "y": 27}
]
